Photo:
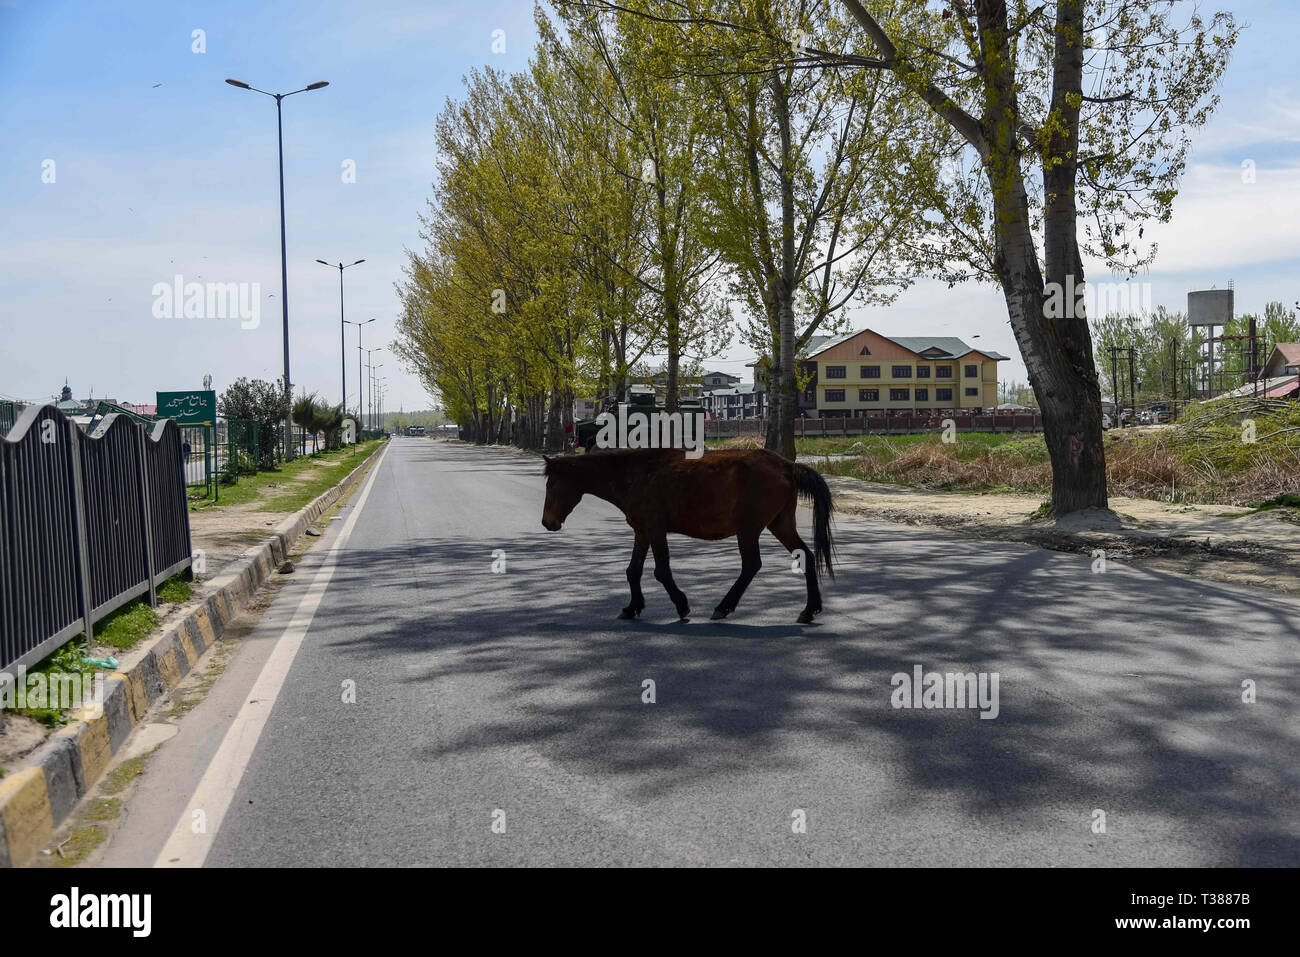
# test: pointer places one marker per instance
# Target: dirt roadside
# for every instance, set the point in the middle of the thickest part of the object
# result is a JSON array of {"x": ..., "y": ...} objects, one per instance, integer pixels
[{"x": 1216, "y": 542}]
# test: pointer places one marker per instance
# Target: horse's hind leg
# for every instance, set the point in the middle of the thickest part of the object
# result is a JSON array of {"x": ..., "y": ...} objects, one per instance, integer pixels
[
  {"x": 664, "y": 574},
  {"x": 634, "y": 577},
  {"x": 750, "y": 563},
  {"x": 786, "y": 530}
]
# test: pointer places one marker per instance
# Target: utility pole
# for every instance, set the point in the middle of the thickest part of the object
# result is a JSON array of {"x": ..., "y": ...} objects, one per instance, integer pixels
[
  {"x": 1132, "y": 385},
  {"x": 1173, "y": 369}
]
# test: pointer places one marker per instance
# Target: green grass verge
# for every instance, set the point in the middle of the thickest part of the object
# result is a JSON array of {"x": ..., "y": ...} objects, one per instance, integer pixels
[
  {"x": 322, "y": 479},
  {"x": 120, "y": 629},
  {"x": 293, "y": 484}
]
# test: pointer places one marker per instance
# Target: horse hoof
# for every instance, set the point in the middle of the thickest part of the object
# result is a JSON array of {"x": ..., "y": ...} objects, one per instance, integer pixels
[
  {"x": 805, "y": 618},
  {"x": 718, "y": 615}
]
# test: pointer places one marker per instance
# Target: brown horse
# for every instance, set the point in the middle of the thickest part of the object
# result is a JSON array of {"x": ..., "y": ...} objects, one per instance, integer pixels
[{"x": 715, "y": 496}]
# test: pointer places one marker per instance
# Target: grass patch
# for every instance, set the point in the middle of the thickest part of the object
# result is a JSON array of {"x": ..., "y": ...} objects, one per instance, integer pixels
[
  {"x": 64, "y": 662},
  {"x": 1285, "y": 500},
  {"x": 119, "y": 629},
  {"x": 293, "y": 484},
  {"x": 124, "y": 627},
  {"x": 124, "y": 774},
  {"x": 975, "y": 462},
  {"x": 78, "y": 847},
  {"x": 1229, "y": 452},
  {"x": 175, "y": 589},
  {"x": 105, "y": 810}
]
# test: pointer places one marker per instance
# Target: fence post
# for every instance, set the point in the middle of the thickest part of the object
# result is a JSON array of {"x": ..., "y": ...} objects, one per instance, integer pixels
[
  {"x": 146, "y": 518},
  {"x": 83, "y": 546}
]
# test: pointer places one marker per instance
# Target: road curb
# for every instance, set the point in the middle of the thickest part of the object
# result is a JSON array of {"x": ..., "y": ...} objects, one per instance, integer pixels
[{"x": 35, "y": 800}]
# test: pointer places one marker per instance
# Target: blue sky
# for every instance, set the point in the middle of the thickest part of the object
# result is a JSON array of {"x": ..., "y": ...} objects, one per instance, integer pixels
[{"x": 179, "y": 178}]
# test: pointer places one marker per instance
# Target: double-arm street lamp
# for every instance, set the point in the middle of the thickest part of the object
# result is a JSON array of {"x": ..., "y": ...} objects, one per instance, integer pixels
[
  {"x": 284, "y": 262},
  {"x": 373, "y": 395},
  {"x": 361, "y": 379},
  {"x": 343, "y": 362}
]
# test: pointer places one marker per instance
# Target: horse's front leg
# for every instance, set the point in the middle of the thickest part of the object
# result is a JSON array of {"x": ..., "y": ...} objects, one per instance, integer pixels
[
  {"x": 634, "y": 568},
  {"x": 750, "y": 563},
  {"x": 659, "y": 543}
]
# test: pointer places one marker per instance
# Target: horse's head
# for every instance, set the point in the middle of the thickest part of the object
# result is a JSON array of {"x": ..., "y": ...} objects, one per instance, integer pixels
[{"x": 562, "y": 493}]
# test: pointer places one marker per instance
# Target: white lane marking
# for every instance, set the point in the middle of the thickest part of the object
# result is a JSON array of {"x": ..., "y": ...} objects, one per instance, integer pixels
[{"x": 217, "y": 788}]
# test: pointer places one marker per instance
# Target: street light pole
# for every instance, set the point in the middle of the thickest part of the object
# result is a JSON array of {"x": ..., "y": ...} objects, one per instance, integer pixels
[
  {"x": 284, "y": 261},
  {"x": 361, "y": 379},
  {"x": 343, "y": 360},
  {"x": 374, "y": 395},
  {"x": 370, "y": 406}
]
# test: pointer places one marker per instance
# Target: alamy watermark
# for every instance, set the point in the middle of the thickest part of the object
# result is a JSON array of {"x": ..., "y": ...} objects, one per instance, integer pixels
[
  {"x": 651, "y": 430},
  {"x": 933, "y": 689},
  {"x": 65, "y": 691},
  {"x": 1096, "y": 299}
]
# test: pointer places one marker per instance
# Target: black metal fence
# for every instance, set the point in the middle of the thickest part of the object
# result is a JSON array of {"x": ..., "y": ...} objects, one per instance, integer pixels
[{"x": 87, "y": 523}]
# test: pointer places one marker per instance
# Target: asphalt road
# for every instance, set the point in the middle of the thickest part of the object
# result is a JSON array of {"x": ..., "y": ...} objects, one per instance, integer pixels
[{"x": 484, "y": 697}]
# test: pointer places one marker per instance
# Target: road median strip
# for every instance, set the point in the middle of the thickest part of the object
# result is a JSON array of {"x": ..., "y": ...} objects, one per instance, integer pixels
[{"x": 36, "y": 799}]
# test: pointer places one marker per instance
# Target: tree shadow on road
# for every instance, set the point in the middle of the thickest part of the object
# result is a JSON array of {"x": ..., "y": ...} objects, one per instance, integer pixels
[{"x": 1119, "y": 691}]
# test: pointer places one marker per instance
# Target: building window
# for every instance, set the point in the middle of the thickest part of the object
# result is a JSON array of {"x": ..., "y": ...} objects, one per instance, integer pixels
[
  {"x": 923, "y": 372},
  {"x": 869, "y": 372},
  {"x": 898, "y": 395},
  {"x": 974, "y": 392},
  {"x": 834, "y": 395},
  {"x": 922, "y": 395},
  {"x": 902, "y": 372},
  {"x": 836, "y": 372},
  {"x": 868, "y": 395},
  {"x": 972, "y": 371},
  {"x": 943, "y": 372},
  {"x": 943, "y": 395}
]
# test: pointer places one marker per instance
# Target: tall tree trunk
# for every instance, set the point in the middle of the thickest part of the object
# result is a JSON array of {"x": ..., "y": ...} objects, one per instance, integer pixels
[
  {"x": 554, "y": 435},
  {"x": 1057, "y": 348},
  {"x": 788, "y": 282}
]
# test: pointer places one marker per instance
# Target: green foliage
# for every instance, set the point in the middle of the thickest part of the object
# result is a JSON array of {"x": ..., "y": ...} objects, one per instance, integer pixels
[{"x": 263, "y": 402}]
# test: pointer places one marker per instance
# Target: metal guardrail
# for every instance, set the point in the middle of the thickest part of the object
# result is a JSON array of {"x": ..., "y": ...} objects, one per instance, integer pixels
[{"x": 87, "y": 523}]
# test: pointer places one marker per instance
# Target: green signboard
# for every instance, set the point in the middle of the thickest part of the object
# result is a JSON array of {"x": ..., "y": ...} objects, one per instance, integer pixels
[{"x": 188, "y": 408}]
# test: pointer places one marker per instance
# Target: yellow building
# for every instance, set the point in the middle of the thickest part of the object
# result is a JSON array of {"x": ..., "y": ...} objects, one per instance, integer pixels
[{"x": 867, "y": 372}]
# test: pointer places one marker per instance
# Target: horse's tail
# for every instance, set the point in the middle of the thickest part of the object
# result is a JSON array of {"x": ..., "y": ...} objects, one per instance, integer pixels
[{"x": 813, "y": 488}]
